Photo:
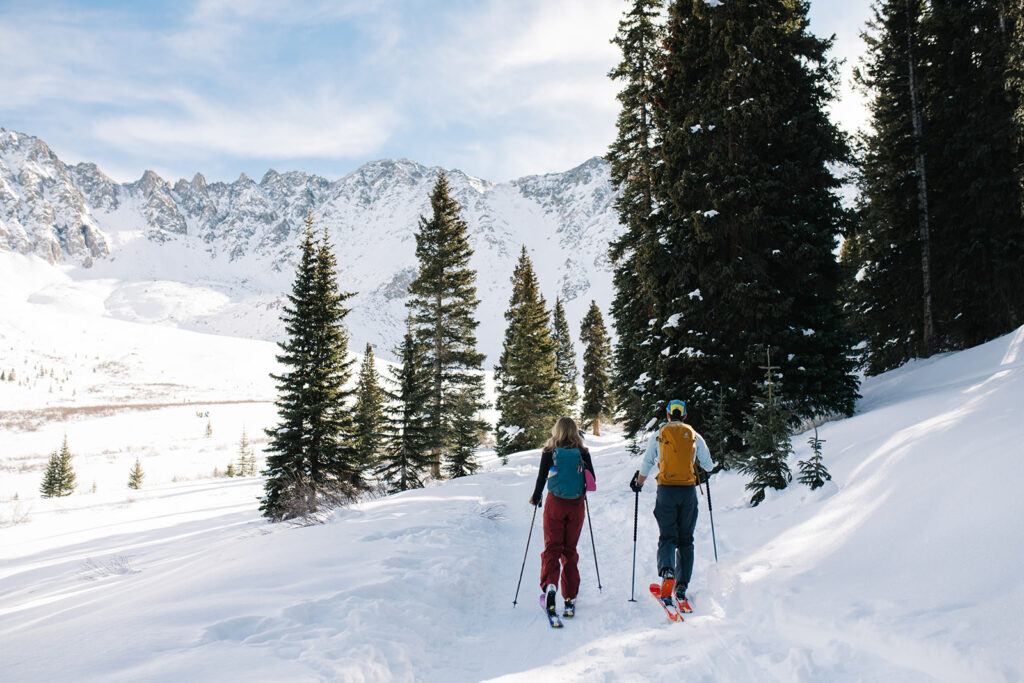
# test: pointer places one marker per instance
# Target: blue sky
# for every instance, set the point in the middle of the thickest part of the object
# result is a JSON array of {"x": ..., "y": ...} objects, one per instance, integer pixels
[{"x": 497, "y": 88}]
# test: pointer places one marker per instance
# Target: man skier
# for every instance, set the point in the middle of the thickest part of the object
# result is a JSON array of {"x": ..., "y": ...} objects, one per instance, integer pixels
[{"x": 676, "y": 449}]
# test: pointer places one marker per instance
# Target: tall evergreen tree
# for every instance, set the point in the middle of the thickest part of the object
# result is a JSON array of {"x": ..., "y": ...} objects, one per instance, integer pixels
[
  {"x": 311, "y": 456},
  {"x": 598, "y": 401},
  {"x": 634, "y": 160},
  {"x": 749, "y": 210},
  {"x": 937, "y": 223},
  {"x": 885, "y": 246},
  {"x": 1014, "y": 84},
  {"x": 978, "y": 230},
  {"x": 135, "y": 476},
  {"x": 442, "y": 309},
  {"x": 369, "y": 418},
  {"x": 408, "y": 448},
  {"x": 767, "y": 441},
  {"x": 565, "y": 357},
  {"x": 529, "y": 400}
]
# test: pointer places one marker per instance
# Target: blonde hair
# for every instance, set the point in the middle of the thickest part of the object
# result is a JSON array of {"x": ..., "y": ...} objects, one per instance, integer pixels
[{"x": 565, "y": 434}]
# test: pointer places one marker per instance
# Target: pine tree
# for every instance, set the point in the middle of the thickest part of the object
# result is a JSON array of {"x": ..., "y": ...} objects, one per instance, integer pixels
[
  {"x": 230, "y": 471},
  {"x": 973, "y": 151},
  {"x": 1015, "y": 86},
  {"x": 813, "y": 472},
  {"x": 243, "y": 468},
  {"x": 767, "y": 440},
  {"x": 466, "y": 431},
  {"x": 634, "y": 159},
  {"x": 51, "y": 477},
  {"x": 408, "y": 450},
  {"x": 598, "y": 401},
  {"x": 59, "y": 477},
  {"x": 719, "y": 434},
  {"x": 934, "y": 222},
  {"x": 565, "y": 358},
  {"x": 369, "y": 417},
  {"x": 748, "y": 211},
  {"x": 311, "y": 458},
  {"x": 209, "y": 429},
  {"x": 526, "y": 378},
  {"x": 442, "y": 309},
  {"x": 135, "y": 476},
  {"x": 67, "y": 481}
]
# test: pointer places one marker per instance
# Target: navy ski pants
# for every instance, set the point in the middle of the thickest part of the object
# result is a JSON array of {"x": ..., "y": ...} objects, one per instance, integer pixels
[{"x": 676, "y": 512}]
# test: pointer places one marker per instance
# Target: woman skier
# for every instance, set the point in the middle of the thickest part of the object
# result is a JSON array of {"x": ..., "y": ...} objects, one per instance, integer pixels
[{"x": 562, "y": 463}]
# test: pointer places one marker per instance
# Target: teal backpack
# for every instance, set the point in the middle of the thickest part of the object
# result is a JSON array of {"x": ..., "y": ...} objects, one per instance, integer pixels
[{"x": 565, "y": 478}]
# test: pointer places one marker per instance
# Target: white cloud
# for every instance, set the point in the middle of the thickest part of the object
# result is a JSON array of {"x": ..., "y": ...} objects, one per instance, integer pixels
[{"x": 314, "y": 126}]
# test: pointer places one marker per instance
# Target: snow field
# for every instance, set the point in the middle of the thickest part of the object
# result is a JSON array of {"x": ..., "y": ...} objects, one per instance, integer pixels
[{"x": 906, "y": 566}]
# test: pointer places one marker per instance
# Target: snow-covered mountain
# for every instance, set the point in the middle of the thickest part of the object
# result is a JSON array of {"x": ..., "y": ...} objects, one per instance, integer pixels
[{"x": 240, "y": 239}]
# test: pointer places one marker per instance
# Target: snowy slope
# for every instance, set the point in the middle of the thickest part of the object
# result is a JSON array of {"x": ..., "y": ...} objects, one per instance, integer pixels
[{"x": 907, "y": 566}]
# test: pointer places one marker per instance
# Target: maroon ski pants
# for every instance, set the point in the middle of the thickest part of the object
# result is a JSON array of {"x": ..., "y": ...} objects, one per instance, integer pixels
[{"x": 563, "y": 522}]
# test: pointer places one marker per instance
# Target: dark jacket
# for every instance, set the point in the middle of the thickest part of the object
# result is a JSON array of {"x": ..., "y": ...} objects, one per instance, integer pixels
[{"x": 547, "y": 460}]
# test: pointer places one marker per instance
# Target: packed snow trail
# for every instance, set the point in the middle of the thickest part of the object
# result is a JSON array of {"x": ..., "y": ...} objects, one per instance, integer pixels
[{"x": 906, "y": 566}]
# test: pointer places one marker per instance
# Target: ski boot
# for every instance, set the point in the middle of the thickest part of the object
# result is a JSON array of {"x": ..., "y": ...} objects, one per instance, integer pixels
[
  {"x": 682, "y": 604},
  {"x": 549, "y": 599}
]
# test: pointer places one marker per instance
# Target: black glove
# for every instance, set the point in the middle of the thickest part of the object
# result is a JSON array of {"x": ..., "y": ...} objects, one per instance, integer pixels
[
  {"x": 636, "y": 488},
  {"x": 703, "y": 476}
]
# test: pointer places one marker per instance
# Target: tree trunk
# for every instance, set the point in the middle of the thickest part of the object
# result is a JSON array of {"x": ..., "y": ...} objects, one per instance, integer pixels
[
  {"x": 927, "y": 335},
  {"x": 597, "y": 427}
]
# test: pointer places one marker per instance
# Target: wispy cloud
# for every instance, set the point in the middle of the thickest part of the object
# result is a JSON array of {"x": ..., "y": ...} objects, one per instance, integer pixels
[{"x": 310, "y": 125}]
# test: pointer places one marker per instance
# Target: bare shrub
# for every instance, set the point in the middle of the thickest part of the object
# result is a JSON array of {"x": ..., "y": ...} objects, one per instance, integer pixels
[
  {"x": 303, "y": 504},
  {"x": 16, "y": 513},
  {"x": 90, "y": 570},
  {"x": 495, "y": 511}
]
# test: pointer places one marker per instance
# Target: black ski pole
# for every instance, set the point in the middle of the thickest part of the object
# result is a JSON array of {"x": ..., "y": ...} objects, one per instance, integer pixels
[
  {"x": 711, "y": 514},
  {"x": 587, "y": 503},
  {"x": 519, "y": 583},
  {"x": 636, "y": 512}
]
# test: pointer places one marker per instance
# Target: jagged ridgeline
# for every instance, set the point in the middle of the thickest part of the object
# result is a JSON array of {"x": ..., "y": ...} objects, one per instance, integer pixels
[{"x": 242, "y": 236}]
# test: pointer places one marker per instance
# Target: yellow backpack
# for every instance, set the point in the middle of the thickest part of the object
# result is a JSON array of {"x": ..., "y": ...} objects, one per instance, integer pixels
[{"x": 677, "y": 450}]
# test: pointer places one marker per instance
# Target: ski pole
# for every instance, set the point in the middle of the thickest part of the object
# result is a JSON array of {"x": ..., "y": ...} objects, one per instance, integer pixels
[
  {"x": 711, "y": 515},
  {"x": 587, "y": 503},
  {"x": 519, "y": 583},
  {"x": 636, "y": 512}
]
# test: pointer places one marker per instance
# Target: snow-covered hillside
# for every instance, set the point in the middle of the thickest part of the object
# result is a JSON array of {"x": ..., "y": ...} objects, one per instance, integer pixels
[
  {"x": 907, "y": 566},
  {"x": 230, "y": 248}
]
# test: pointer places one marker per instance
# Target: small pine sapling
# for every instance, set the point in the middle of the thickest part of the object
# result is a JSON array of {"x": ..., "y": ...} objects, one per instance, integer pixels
[
  {"x": 244, "y": 451},
  {"x": 209, "y": 428},
  {"x": 230, "y": 471},
  {"x": 767, "y": 441},
  {"x": 135, "y": 476},
  {"x": 812, "y": 471}
]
